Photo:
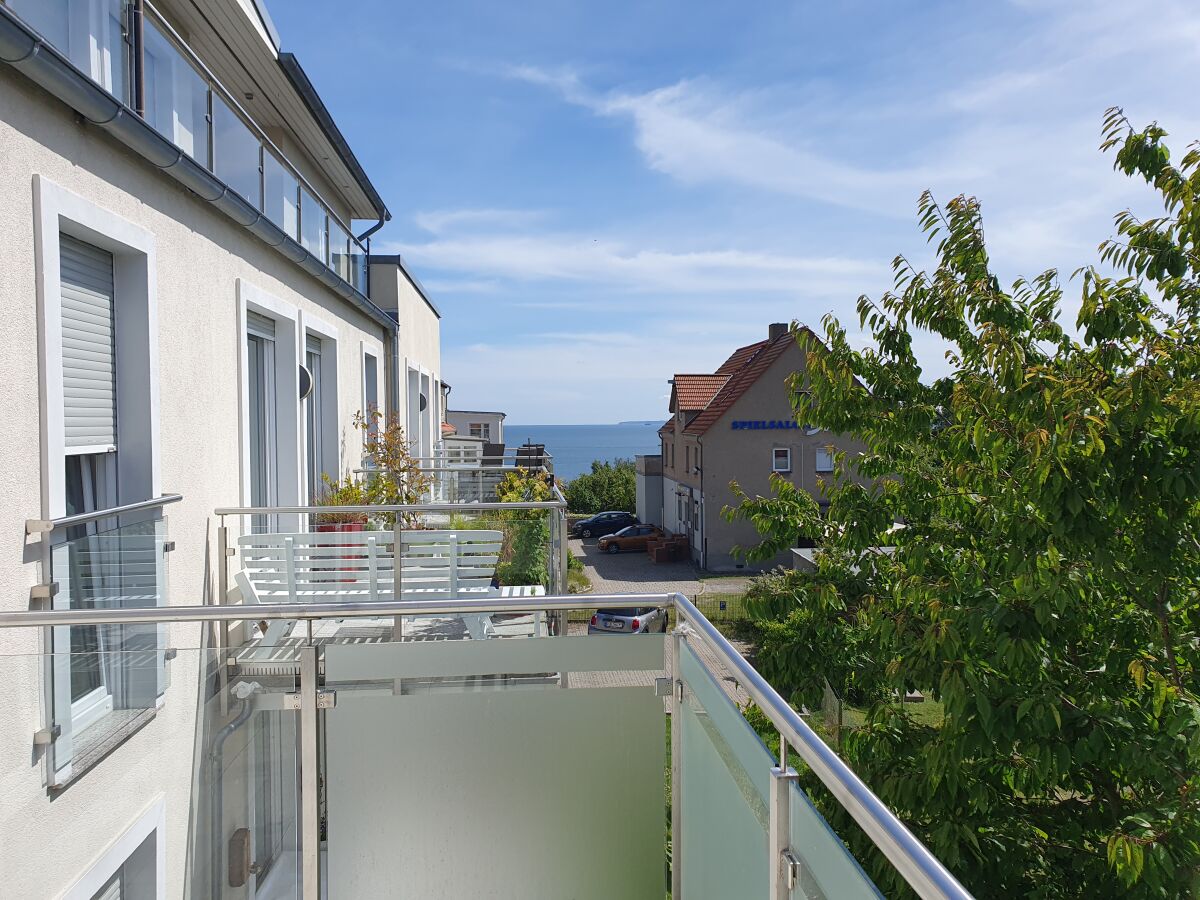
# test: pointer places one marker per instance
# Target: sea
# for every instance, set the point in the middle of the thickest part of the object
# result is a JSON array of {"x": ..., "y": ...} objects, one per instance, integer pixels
[{"x": 575, "y": 446}]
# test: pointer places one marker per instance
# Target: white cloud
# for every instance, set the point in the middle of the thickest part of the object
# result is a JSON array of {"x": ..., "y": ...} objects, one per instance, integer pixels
[
  {"x": 442, "y": 220},
  {"x": 614, "y": 263}
]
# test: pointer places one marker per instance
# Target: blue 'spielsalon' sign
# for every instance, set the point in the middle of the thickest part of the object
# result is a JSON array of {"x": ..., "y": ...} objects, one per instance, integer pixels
[{"x": 770, "y": 423}]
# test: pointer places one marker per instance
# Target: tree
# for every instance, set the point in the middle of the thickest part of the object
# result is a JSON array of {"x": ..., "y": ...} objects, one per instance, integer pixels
[
  {"x": 395, "y": 477},
  {"x": 1044, "y": 584},
  {"x": 608, "y": 486}
]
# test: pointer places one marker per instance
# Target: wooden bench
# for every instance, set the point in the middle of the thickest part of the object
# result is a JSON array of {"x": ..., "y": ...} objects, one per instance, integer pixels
[{"x": 360, "y": 566}]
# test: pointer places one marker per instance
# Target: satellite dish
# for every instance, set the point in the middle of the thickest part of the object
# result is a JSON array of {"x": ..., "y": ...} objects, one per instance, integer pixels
[
  {"x": 306, "y": 383},
  {"x": 424, "y": 403}
]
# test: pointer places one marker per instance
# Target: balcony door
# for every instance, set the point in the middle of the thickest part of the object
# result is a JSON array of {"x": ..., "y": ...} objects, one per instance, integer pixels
[
  {"x": 263, "y": 419},
  {"x": 314, "y": 417}
]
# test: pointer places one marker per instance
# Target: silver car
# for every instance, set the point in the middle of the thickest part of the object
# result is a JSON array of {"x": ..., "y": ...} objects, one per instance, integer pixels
[{"x": 631, "y": 620}]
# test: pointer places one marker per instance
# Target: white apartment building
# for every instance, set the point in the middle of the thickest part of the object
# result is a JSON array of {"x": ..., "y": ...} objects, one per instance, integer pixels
[
  {"x": 187, "y": 312},
  {"x": 485, "y": 425}
]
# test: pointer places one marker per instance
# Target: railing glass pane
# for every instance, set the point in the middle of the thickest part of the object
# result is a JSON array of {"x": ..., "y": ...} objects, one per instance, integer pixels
[
  {"x": 724, "y": 793},
  {"x": 106, "y": 681},
  {"x": 828, "y": 870},
  {"x": 358, "y": 266},
  {"x": 90, "y": 33},
  {"x": 245, "y": 809},
  {"x": 176, "y": 95},
  {"x": 552, "y": 792},
  {"x": 312, "y": 226},
  {"x": 236, "y": 153},
  {"x": 339, "y": 250},
  {"x": 280, "y": 203}
]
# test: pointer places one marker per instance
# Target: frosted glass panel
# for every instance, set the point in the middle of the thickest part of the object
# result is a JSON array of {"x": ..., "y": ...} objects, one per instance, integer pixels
[
  {"x": 538, "y": 794},
  {"x": 726, "y": 779},
  {"x": 829, "y": 871}
]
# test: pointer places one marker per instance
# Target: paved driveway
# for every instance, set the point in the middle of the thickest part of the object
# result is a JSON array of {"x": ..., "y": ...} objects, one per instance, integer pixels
[{"x": 633, "y": 572}]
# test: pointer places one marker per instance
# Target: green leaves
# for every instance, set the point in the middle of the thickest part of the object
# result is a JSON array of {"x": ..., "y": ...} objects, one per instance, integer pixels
[{"x": 1045, "y": 585}]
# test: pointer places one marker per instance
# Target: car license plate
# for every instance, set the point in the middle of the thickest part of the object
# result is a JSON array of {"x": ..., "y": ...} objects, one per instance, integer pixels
[{"x": 614, "y": 624}]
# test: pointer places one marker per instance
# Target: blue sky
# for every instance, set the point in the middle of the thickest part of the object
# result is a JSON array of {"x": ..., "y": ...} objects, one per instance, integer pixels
[{"x": 599, "y": 195}]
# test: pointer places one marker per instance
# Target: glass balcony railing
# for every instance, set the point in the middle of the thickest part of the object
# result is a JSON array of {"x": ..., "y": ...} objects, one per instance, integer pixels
[
  {"x": 344, "y": 761},
  {"x": 186, "y": 104}
]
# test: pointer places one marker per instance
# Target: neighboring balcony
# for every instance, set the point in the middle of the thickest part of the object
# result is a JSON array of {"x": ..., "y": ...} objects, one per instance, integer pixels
[
  {"x": 377, "y": 717},
  {"x": 182, "y": 100}
]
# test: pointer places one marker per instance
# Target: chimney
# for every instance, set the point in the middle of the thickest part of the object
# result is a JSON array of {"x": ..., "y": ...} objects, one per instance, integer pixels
[{"x": 777, "y": 330}]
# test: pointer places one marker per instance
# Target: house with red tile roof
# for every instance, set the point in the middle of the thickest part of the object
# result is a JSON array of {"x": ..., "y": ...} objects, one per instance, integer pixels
[{"x": 737, "y": 425}]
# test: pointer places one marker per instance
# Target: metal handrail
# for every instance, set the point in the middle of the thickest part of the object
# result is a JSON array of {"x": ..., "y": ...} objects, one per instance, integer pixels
[
  {"x": 923, "y": 871},
  {"x": 46, "y": 526}
]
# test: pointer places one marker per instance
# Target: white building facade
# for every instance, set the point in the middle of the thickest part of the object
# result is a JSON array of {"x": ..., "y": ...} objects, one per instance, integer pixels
[{"x": 188, "y": 313}]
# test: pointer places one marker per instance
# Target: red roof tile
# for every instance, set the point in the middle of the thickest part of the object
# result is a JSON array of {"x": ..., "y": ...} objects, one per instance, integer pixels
[
  {"x": 740, "y": 357},
  {"x": 745, "y": 367},
  {"x": 668, "y": 427},
  {"x": 696, "y": 391}
]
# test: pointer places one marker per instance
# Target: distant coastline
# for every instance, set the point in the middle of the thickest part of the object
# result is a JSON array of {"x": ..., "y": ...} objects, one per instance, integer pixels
[{"x": 575, "y": 447}]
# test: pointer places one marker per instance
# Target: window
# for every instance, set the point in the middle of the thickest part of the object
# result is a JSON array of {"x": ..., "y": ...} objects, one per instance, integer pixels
[
  {"x": 176, "y": 95},
  {"x": 133, "y": 868},
  {"x": 260, "y": 380},
  {"x": 314, "y": 422},
  {"x": 370, "y": 382},
  {"x": 90, "y": 33},
  {"x": 99, "y": 439},
  {"x": 687, "y": 459},
  {"x": 824, "y": 459},
  {"x": 481, "y": 430},
  {"x": 781, "y": 459}
]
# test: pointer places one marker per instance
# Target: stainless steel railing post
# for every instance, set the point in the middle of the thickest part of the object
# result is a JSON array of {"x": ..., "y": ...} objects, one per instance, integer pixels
[
  {"x": 310, "y": 810},
  {"x": 678, "y": 640}
]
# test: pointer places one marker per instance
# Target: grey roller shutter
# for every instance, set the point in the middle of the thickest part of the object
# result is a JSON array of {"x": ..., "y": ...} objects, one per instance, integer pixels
[
  {"x": 111, "y": 891},
  {"x": 260, "y": 326},
  {"x": 88, "y": 350}
]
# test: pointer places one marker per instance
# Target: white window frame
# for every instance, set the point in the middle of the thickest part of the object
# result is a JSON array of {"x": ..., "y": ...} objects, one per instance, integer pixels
[
  {"x": 57, "y": 211},
  {"x": 787, "y": 466},
  {"x": 289, "y": 451},
  {"x": 152, "y": 821},
  {"x": 327, "y": 333},
  {"x": 823, "y": 459},
  {"x": 375, "y": 351}
]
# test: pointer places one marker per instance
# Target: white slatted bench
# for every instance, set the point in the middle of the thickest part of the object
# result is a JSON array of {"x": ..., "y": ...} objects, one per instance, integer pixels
[{"x": 360, "y": 566}]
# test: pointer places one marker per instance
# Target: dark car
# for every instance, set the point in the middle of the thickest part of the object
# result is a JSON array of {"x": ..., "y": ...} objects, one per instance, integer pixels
[
  {"x": 604, "y": 523},
  {"x": 633, "y": 620}
]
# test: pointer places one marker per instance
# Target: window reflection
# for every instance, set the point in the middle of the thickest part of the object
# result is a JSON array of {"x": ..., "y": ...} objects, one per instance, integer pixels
[
  {"x": 235, "y": 152},
  {"x": 312, "y": 226},
  {"x": 280, "y": 202},
  {"x": 176, "y": 96}
]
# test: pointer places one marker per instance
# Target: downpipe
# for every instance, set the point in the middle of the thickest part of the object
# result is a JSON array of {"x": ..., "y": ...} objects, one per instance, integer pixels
[{"x": 244, "y": 691}]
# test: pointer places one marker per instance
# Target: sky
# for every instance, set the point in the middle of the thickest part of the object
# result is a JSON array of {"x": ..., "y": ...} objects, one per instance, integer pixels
[{"x": 598, "y": 195}]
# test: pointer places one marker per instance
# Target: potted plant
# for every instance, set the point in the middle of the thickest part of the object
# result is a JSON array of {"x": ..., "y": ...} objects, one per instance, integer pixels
[{"x": 342, "y": 492}]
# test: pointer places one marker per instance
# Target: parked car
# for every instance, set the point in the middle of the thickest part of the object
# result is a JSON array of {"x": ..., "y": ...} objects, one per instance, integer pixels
[
  {"x": 634, "y": 620},
  {"x": 604, "y": 523},
  {"x": 634, "y": 537}
]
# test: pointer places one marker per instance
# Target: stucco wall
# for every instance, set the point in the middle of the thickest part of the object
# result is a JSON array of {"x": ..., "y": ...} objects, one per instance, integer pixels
[
  {"x": 200, "y": 257},
  {"x": 745, "y": 455}
]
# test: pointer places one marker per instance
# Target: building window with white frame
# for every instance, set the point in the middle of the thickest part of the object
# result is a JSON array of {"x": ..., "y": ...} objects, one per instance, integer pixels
[
  {"x": 99, "y": 425},
  {"x": 781, "y": 459},
  {"x": 823, "y": 458},
  {"x": 262, "y": 419},
  {"x": 314, "y": 417},
  {"x": 481, "y": 430}
]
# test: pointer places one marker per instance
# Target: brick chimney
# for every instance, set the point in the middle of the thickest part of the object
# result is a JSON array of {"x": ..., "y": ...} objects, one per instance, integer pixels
[{"x": 777, "y": 330}]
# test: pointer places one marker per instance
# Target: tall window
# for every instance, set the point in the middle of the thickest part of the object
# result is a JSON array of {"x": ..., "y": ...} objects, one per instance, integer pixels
[
  {"x": 824, "y": 459},
  {"x": 314, "y": 421},
  {"x": 781, "y": 459},
  {"x": 260, "y": 359},
  {"x": 687, "y": 459}
]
